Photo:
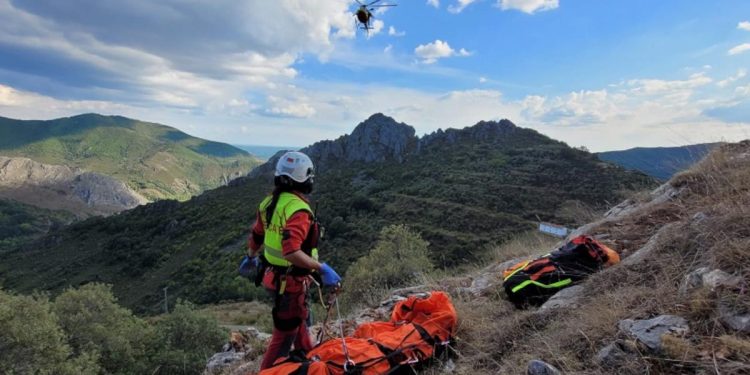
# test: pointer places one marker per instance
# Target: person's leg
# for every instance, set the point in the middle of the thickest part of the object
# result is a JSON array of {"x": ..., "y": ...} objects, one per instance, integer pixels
[
  {"x": 303, "y": 341},
  {"x": 280, "y": 345}
]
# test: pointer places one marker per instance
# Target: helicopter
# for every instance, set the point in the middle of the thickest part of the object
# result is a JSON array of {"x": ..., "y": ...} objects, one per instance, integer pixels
[{"x": 364, "y": 13}]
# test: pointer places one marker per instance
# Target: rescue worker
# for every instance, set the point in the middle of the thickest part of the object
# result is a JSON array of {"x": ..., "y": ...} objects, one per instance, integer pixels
[{"x": 286, "y": 227}]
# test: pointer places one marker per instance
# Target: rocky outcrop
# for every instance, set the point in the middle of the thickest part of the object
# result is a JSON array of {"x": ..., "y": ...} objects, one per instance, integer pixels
[
  {"x": 381, "y": 138},
  {"x": 61, "y": 187}
]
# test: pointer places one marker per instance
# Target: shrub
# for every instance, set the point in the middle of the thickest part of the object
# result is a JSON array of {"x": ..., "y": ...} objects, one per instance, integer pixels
[
  {"x": 398, "y": 258},
  {"x": 188, "y": 338},
  {"x": 94, "y": 322},
  {"x": 32, "y": 341}
]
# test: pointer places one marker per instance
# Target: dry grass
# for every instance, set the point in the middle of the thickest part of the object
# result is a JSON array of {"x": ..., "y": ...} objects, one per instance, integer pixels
[{"x": 712, "y": 213}]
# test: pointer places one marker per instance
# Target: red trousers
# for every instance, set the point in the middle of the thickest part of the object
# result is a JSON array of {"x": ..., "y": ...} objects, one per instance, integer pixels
[{"x": 289, "y": 316}]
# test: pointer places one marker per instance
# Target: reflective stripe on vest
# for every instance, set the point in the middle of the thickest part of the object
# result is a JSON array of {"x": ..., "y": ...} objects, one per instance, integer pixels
[
  {"x": 287, "y": 205},
  {"x": 526, "y": 283}
]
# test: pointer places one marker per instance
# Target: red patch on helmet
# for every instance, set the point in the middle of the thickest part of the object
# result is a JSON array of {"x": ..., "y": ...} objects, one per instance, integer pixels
[{"x": 290, "y": 160}]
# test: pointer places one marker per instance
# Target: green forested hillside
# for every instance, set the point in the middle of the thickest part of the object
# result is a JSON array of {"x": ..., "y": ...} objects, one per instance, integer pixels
[
  {"x": 463, "y": 190},
  {"x": 20, "y": 223},
  {"x": 156, "y": 161}
]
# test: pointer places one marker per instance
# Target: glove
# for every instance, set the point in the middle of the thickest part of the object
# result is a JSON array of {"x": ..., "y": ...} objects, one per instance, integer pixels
[
  {"x": 248, "y": 265},
  {"x": 329, "y": 276}
]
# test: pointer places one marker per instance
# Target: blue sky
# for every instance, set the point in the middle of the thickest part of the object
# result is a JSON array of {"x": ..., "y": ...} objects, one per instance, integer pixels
[{"x": 604, "y": 74}]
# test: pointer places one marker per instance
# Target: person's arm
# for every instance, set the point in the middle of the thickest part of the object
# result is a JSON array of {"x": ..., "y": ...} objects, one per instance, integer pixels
[
  {"x": 294, "y": 235},
  {"x": 257, "y": 235}
]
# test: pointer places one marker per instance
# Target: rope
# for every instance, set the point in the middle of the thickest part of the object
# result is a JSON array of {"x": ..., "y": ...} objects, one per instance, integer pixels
[{"x": 343, "y": 339}]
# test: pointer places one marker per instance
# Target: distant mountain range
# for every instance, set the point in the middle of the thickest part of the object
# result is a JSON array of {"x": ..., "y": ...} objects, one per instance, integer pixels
[
  {"x": 659, "y": 162},
  {"x": 463, "y": 190},
  {"x": 264, "y": 152},
  {"x": 155, "y": 161}
]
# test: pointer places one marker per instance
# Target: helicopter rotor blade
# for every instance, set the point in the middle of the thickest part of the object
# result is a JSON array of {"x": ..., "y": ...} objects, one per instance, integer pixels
[
  {"x": 372, "y": 2},
  {"x": 359, "y": 2},
  {"x": 383, "y": 5}
]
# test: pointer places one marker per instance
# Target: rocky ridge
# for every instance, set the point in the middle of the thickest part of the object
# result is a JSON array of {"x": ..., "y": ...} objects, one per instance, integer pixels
[
  {"x": 62, "y": 187},
  {"x": 381, "y": 138}
]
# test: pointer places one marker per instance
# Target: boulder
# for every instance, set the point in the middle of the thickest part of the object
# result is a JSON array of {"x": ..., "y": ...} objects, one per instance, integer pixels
[
  {"x": 223, "y": 360},
  {"x": 537, "y": 367},
  {"x": 649, "y": 331},
  {"x": 568, "y": 297},
  {"x": 734, "y": 320},
  {"x": 704, "y": 277},
  {"x": 615, "y": 354}
]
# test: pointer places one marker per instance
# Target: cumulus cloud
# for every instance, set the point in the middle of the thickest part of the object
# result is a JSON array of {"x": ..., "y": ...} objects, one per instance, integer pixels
[
  {"x": 741, "y": 73},
  {"x": 744, "y": 47},
  {"x": 288, "y": 108},
  {"x": 434, "y": 3},
  {"x": 179, "y": 55},
  {"x": 393, "y": 32},
  {"x": 431, "y": 52},
  {"x": 459, "y": 6},
  {"x": 744, "y": 25},
  {"x": 528, "y": 6}
]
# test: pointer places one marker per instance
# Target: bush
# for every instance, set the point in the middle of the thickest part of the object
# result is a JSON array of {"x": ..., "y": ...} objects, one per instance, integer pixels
[
  {"x": 94, "y": 322},
  {"x": 398, "y": 258},
  {"x": 188, "y": 338},
  {"x": 32, "y": 342}
]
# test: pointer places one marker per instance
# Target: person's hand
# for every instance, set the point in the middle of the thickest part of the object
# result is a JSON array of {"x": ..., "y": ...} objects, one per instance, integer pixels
[
  {"x": 329, "y": 276},
  {"x": 247, "y": 265}
]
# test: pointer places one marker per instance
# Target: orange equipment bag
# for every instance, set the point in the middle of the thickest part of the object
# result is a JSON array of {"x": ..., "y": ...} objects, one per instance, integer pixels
[{"x": 419, "y": 326}]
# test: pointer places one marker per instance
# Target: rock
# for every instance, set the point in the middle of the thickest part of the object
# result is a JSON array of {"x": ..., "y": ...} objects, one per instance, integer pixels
[
  {"x": 734, "y": 320},
  {"x": 253, "y": 332},
  {"x": 223, "y": 360},
  {"x": 706, "y": 278},
  {"x": 61, "y": 187},
  {"x": 644, "y": 252},
  {"x": 615, "y": 354},
  {"x": 650, "y": 331},
  {"x": 537, "y": 367},
  {"x": 566, "y": 298}
]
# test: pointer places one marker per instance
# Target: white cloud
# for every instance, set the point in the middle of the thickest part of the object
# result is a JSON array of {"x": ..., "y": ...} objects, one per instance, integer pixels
[
  {"x": 388, "y": 48},
  {"x": 393, "y": 32},
  {"x": 434, "y": 3},
  {"x": 741, "y": 73},
  {"x": 744, "y": 25},
  {"x": 459, "y": 6},
  {"x": 376, "y": 28},
  {"x": 431, "y": 52},
  {"x": 744, "y": 47},
  {"x": 482, "y": 80},
  {"x": 528, "y": 6},
  {"x": 286, "y": 108}
]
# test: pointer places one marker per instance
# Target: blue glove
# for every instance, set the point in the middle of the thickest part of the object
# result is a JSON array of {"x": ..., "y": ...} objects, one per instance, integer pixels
[
  {"x": 329, "y": 276},
  {"x": 248, "y": 265}
]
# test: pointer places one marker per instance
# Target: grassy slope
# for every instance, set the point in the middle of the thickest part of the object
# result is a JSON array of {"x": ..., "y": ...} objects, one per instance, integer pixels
[
  {"x": 462, "y": 197},
  {"x": 156, "y": 160},
  {"x": 710, "y": 222},
  {"x": 659, "y": 162}
]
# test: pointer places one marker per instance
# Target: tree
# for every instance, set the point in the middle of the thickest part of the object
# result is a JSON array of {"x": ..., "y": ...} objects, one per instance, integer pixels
[
  {"x": 32, "y": 341},
  {"x": 95, "y": 323},
  {"x": 398, "y": 258}
]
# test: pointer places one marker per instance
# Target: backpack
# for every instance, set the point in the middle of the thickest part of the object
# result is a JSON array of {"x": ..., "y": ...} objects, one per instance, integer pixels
[{"x": 532, "y": 282}]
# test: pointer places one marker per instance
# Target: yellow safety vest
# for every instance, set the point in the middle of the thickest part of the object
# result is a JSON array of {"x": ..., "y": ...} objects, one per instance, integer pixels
[{"x": 288, "y": 205}]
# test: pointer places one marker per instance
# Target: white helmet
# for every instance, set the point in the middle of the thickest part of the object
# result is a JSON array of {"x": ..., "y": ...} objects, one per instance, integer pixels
[{"x": 295, "y": 165}]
